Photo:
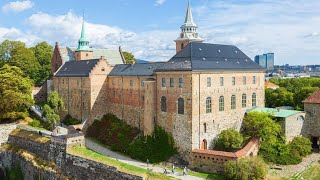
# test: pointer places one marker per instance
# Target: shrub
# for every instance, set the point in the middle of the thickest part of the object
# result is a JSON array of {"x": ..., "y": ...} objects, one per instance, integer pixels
[
  {"x": 250, "y": 168},
  {"x": 69, "y": 120},
  {"x": 14, "y": 173},
  {"x": 51, "y": 116},
  {"x": 157, "y": 148},
  {"x": 229, "y": 140},
  {"x": 301, "y": 145},
  {"x": 113, "y": 132}
]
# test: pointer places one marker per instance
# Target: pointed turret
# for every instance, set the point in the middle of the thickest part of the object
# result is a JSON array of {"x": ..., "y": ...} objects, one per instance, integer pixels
[
  {"x": 188, "y": 31},
  {"x": 83, "y": 52},
  {"x": 83, "y": 44}
]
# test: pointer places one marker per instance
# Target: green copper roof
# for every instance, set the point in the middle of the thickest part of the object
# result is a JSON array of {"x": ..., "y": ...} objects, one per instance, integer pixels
[
  {"x": 83, "y": 44},
  {"x": 281, "y": 113}
]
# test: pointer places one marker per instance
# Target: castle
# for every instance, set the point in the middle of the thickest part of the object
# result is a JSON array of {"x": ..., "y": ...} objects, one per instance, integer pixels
[{"x": 202, "y": 90}]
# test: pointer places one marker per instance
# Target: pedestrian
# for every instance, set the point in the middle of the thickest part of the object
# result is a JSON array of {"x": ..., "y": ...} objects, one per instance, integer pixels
[
  {"x": 165, "y": 170},
  {"x": 147, "y": 163},
  {"x": 185, "y": 170},
  {"x": 172, "y": 168}
]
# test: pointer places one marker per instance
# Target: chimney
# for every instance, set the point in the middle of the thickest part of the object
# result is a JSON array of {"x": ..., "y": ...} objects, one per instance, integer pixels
[{"x": 102, "y": 58}]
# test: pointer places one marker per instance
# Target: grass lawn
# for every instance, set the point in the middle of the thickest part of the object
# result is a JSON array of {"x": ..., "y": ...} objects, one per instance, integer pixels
[
  {"x": 30, "y": 136},
  {"x": 127, "y": 168},
  {"x": 313, "y": 173}
]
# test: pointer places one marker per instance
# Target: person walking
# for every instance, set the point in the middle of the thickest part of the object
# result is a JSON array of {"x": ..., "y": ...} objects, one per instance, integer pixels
[
  {"x": 172, "y": 168},
  {"x": 165, "y": 170},
  {"x": 185, "y": 170}
]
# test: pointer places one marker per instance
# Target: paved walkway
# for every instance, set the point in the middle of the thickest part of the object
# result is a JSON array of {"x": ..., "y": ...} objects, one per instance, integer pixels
[
  {"x": 291, "y": 170},
  {"x": 106, "y": 152}
]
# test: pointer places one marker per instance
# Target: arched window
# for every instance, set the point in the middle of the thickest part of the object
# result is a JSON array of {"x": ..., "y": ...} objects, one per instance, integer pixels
[
  {"x": 244, "y": 100},
  {"x": 180, "y": 105},
  {"x": 163, "y": 104},
  {"x": 204, "y": 144},
  {"x": 208, "y": 105},
  {"x": 254, "y": 100},
  {"x": 182, "y": 45},
  {"x": 221, "y": 103},
  {"x": 233, "y": 102}
]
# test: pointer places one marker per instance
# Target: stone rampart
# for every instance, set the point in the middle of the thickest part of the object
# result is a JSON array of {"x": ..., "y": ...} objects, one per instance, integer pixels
[{"x": 5, "y": 130}]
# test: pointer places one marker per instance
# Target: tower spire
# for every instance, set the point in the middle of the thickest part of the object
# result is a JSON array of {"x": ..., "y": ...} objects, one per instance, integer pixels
[
  {"x": 188, "y": 31},
  {"x": 83, "y": 44},
  {"x": 189, "y": 19}
]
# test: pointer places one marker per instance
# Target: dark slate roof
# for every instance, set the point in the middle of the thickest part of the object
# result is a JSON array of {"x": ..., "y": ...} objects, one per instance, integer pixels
[
  {"x": 143, "y": 69},
  {"x": 202, "y": 56},
  {"x": 77, "y": 68}
]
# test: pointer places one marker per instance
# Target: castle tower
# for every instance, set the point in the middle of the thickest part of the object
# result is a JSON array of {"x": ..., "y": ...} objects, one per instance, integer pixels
[
  {"x": 83, "y": 52},
  {"x": 188, "y": 31}
]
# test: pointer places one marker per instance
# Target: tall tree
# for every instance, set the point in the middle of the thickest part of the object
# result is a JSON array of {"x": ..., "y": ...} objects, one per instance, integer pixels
[
  {"x": 43, "y": 53},
  {"x": 55, "y": 101},
  {"x": 302, "y": 94},
  {"x": 15, "y": 93},
  {"x": 129, "y": 57},
  {"x": 24, "y": 58},
  {"x": 5, "y": 50}
]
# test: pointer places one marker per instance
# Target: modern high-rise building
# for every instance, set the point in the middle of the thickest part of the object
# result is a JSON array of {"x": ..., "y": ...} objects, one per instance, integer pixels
[{"x": 265, "y": 60}]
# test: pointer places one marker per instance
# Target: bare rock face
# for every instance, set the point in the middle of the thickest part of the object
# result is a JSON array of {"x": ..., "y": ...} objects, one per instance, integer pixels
[{"x": 5, "y": 130}]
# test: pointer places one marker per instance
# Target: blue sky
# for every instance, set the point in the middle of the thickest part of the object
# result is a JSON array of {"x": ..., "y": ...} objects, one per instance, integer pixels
[{"x": 289, "y": 28}]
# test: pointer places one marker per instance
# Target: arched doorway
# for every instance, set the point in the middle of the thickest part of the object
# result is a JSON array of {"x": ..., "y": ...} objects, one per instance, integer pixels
[{"x": 204, "y": 144}]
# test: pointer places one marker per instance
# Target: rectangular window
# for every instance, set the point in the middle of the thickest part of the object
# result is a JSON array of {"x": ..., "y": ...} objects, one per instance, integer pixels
[
  {"x": 244, "y": 79},
  {"x": 208, "y": 81},
  {"x": 221, "y": 81},
  {"x": 113, "y": 82},
  {"x": 163, "y": 82},
  {"x": 180, "y": 82},
  {"x": 131, "y": 85},
  {"x": 254, "y": 80},
  {"x": 171, "y": 82},
  {"x": 142, "y": 83},
  {"x": 233, "y": 81}
]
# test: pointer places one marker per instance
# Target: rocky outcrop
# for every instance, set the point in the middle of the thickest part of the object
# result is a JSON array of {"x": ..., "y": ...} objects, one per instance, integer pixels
[{"x": 5, "y": 130}]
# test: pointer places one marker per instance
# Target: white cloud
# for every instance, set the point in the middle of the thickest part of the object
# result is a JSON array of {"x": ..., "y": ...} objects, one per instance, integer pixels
[
  {"x": 17, "y": 35},
  {"x": 17, "y": 6},
  {"x": 159, "y": 2}
]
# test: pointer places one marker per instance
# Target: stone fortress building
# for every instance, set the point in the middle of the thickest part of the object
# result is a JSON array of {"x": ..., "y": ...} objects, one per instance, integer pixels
[{"x": 202, "y": 90}]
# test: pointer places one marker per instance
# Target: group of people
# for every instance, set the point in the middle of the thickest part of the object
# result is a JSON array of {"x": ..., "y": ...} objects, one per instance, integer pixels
[{"x": 173, "y": 168}]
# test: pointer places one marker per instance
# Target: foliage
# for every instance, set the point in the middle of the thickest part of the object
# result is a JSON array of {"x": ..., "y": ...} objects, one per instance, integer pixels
[
  {"x": 292, "y": 92},
  {"x": 249, "y": 168},
  {"x": 25, "y": 59},
  {"x": 15, "y": 173},
  {"x": 279, "y": 97},
  {"x": 229, "y": 140},
  {"x": 69, "y": 120},
  {"x": 15, "y": 94},
  {"x": 113, "y": 132},
  {"x": 273, "y": 146},
  {"x": 51, "y": 116},
  {"x": 5, "y": 50},
  {"x": 157, "y": 148},
  {"x": 55, "y": 101},
  {"x": 129, "y": 57},
  {"x": 43, "y": 53},
  {"x": 302, "y": 145}
]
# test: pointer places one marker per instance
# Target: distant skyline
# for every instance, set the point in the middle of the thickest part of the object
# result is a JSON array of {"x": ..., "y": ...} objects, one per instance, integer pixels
[{"x": 288, "y": 28}]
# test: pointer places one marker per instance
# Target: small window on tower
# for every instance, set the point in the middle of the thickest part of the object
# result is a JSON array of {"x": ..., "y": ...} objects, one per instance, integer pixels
[
  {"x": 87, "y": 54},
  {"x": 182, "y": 46}
]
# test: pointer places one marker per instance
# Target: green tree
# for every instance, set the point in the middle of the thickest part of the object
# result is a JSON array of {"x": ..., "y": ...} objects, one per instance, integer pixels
[
  {"x": 302, "y": 145},
  {"x": 25, "y": 59},
  {"x": 302, "y": 94},
  {"x": 51, "y": 116},
  {"x": 15, "y": 93},
  {"x": 249, "y": 168},
  {"x": 55, "y": 101},
  {"x": 5, "y": 50},
  {"x": 229, "y": 140},
  {"x": 278, "y": 97},
  {"x": 43, "y": 53},
  {"x": 129, "y": 57}
]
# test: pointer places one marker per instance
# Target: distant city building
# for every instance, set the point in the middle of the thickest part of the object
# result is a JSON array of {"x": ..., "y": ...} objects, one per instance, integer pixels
[{"x": 265, "y": 60}]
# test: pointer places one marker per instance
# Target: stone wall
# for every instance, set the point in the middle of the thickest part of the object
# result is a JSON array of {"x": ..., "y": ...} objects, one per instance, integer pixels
[
  {"x": 293, "y": 126},
  {"x": 311, "y": 125},
  {"x": 40, "y": 149},
  {"x": 5, "y": 130},
  {"x": 80, "y": 168}
]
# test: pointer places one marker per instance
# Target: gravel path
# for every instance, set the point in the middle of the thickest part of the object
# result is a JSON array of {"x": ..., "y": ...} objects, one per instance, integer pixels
[
  {"x": 290, "y": 170},
  {"x": 104, "y": 151}
]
